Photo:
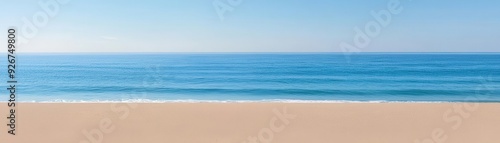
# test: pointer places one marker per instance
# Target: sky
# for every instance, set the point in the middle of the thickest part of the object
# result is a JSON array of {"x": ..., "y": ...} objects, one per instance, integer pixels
[{"x": 253, "y": 25}]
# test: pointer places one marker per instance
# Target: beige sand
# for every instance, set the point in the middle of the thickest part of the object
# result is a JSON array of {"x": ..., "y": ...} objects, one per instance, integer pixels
[{"x": 264, "y": 122}]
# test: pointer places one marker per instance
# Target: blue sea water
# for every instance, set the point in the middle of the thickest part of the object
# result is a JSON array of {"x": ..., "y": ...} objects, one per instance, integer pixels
[{"x": 315, "y": 77}]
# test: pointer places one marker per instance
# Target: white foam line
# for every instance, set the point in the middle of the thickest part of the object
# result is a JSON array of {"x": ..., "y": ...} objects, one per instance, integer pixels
[{"x": 227, "y": 101}]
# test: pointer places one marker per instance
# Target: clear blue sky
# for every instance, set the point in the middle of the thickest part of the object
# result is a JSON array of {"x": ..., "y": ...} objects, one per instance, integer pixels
[{"x": 256, "y": 26}]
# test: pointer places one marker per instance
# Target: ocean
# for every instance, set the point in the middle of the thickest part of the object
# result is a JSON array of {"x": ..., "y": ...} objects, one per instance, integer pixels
[{"x": 257, "y": 77}]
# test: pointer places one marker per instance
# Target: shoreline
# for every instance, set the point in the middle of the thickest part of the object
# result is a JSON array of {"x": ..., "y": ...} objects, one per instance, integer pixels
[
  {"x": 243, "y": 122},
  {"x": 251, "y": 101}
]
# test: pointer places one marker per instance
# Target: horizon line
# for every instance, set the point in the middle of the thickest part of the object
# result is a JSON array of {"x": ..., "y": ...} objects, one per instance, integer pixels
[{"x": 255, "y": 53}]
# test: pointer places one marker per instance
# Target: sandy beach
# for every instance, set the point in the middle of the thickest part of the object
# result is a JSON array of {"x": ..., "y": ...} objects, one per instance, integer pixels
[{"x": 254, "y": 122}]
